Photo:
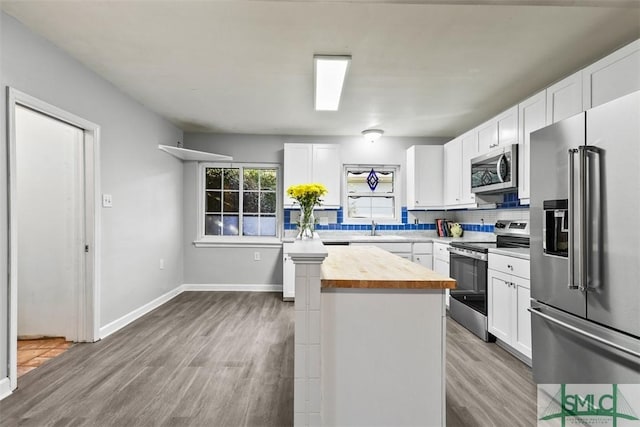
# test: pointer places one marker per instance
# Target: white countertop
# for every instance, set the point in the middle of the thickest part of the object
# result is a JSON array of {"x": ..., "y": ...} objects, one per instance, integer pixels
[
  {"x": 523, "y": 253},
  {"x": 396, "y": 237}
]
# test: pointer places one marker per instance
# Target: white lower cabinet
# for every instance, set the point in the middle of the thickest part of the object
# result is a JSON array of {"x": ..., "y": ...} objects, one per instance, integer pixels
[
  {"x": 441, "y": 263},
  {"x": 288, "y": 274},
  {"x": 423, "y": 254},
  {"x": 509, "y": 298}
]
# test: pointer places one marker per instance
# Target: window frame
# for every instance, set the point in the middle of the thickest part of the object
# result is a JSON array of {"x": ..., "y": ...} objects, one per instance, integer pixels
[
  {"x": 397, "y": 192},
  {"x": 204, "y": 240}
]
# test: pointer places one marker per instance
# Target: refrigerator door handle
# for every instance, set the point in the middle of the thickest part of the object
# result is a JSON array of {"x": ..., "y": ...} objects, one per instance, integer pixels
[
  {"x": 571, "y": 221},
  {"x": 537, "y": 312},
  {"x": 585, "y": 213},
  {"x": 582, "y": 228}
]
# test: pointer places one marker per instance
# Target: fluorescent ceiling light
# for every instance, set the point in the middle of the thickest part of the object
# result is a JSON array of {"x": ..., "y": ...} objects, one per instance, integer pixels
[{"x": 330, "y": 72}]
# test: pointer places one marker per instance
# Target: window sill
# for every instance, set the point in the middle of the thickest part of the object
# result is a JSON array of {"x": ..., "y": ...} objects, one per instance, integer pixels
[{"x": 239, "y": 242}]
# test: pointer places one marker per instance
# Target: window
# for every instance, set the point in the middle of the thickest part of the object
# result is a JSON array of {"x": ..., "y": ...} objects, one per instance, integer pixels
[
  {"x": 371, "y": 193},
  {"x": 240, "y": 200}
]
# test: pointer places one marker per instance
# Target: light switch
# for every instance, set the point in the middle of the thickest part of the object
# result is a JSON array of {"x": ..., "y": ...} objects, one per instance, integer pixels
[{"x": 107, "y": 201}]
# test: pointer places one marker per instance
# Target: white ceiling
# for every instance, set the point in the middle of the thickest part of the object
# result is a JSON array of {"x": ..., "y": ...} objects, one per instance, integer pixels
[{"x": 419, "y": 68}]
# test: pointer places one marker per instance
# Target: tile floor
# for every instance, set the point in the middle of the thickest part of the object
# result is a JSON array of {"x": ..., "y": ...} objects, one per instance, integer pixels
[{"x": 33, "y": 353}]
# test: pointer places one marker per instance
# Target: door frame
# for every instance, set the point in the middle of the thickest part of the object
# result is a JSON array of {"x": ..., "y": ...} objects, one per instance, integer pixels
[{"x": 89, "y": 295}]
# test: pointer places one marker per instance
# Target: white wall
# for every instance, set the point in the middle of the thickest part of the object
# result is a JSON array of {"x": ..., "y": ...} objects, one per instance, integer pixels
[
  {"x": 145, "y": 223},
  {"x": 236, "y": 265}
]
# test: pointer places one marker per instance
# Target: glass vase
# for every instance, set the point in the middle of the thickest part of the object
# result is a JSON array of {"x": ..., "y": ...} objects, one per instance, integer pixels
[{"x": 306, "y": 224}]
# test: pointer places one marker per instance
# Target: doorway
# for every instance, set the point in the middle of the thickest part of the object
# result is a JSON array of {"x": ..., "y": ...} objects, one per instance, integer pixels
[{"x": 53, "y": 225}]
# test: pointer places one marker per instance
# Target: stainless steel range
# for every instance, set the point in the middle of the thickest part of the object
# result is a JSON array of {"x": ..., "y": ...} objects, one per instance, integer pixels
[{"x": 468, "y": 265}]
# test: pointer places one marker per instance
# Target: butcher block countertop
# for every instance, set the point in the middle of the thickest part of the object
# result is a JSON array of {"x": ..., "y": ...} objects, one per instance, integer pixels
[{"x": 370, "y": 267}]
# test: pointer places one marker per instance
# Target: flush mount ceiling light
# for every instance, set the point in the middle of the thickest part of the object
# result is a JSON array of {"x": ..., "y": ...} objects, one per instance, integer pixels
[
  {"x": 330, "y": 72},
  {"x": 372, "y": 134}
]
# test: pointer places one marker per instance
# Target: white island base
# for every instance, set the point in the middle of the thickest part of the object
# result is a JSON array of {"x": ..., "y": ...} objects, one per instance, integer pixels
[
  {"x": 383, "y": 358},
  {"x": 369, "y": 338}
]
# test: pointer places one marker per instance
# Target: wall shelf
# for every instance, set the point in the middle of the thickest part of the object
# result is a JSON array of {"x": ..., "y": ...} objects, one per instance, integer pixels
[{"x": 194, "y": 155}]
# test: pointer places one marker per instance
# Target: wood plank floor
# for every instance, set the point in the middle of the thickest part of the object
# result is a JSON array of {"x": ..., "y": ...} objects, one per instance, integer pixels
[
  {"x": 226, "y": 359},
  {"x": 486, "y": 386}
]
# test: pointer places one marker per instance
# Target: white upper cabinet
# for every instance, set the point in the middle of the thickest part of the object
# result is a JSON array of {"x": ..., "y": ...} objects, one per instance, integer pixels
[
  {"x": 531, "y": 116},
  {"x": 304, "y": 163},
  {"x": 297, "y": 167},
  {"x": 612, "y": 77},
  {"x": 616, "y": 75},
  {"x": 326, "y": 169},
  {"x": 469, "y": 151},
  {"x": 457, "y": 171},
  {"x": 425, "y": 175},
  {"x": 501, "y": 130},
  {"x": 507, "y": 124},
  {"x": 564, "y": 99},
  {"x": 452, "y": 172},
  {"x": 487, "y": 136}
]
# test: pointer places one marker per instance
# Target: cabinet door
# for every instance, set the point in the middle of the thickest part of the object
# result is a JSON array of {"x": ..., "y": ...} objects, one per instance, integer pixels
[
  {"x": 469, "y": 151},
  {"x": 425, "y": 175},
  {"x": 500, "y": 305},
  {"x": 614, "y": 76},
  {"x": 507, "y": 123},
  {"x": 441, "y": 252},
  {"x": 327, "y": 169},
  {"x": 288, "y": 278},
  {"x": 487, "y": 136},
  {"x": 453, "y": 172},
  {"x": 531, "y": 116},
  {"x": 425, "y": 260},
  {"x": 564, "y": 99},
  {"x": 522, "y": 330},
  {"x": 297, "y": 167},
  {"x": 441, "y": 267}
]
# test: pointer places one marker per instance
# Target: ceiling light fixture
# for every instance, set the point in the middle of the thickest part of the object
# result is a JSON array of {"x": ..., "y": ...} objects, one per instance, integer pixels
[
  {"x": 372, "y": 134},
  {"x": 330, "y": 72}
]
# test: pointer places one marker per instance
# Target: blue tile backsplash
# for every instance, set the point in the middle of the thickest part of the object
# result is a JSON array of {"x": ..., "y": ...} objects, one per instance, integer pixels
[{"x": 405, "y": 226}]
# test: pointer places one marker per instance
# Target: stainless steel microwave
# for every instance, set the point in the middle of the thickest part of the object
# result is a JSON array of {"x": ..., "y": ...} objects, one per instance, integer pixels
[{"x": 496, "y": 171}]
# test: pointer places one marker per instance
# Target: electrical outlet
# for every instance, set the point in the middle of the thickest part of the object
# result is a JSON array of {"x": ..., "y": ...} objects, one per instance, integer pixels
[
  {"x": 161, "y": 264},
  {"x": 256, "y": 256},
  {"x": 107, "y": 201}
]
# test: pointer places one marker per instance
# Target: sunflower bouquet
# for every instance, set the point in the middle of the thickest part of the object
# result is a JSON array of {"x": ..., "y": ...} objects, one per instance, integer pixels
[{"x": 308, "y": 197}]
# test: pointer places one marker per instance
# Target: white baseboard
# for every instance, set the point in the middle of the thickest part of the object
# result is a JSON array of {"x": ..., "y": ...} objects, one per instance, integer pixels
[
  {"x": 123, "y": 321},
  {"x": 5, "y": 388},
  {"x": 120, "y": 323},
  {"x": 218, "y": 287}
]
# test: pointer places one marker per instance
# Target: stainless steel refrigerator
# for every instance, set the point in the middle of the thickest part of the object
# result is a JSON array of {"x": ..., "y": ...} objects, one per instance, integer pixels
[{"x": 585, "y": 246}]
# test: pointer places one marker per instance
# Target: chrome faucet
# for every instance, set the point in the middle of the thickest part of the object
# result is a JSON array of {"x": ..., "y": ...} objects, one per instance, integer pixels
[{"x": 373, "y": 227}]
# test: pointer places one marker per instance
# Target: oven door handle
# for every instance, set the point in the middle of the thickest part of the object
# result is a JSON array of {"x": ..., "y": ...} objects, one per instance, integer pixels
[{"x": 467, "y": 254}]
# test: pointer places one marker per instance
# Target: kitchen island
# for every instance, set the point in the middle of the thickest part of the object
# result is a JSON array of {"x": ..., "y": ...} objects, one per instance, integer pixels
[{"x": 372, "y": 352}]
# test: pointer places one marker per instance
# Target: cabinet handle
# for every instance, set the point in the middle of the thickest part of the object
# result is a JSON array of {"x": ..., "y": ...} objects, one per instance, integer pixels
[
  {"x": 510, "y": 267},
  {"x": 493, "y": 145}
]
